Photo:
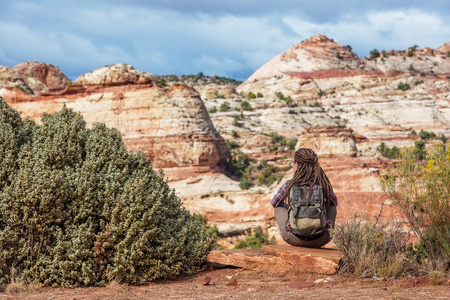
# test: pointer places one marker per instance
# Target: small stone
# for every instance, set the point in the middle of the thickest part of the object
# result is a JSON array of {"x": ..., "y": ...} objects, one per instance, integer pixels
[
  {"x": 320, "y": 280},
  {"x": 376, "y": 277},
  {"x": 251, "y": 290},
  {"x": 232, "y": 282},
  {"x": 330, "y": 279},
  {"x": 204, "y": 280},
  {"x": 229, "y": 277},
  {"x": 393, "y": 278}
]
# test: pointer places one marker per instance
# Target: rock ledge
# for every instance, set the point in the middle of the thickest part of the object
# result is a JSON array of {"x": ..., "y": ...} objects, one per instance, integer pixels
[{"x": 280, "y": 259}]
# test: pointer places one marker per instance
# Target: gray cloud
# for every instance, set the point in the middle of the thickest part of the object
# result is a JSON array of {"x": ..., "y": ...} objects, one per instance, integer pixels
[{"x": 230, "y": 38}]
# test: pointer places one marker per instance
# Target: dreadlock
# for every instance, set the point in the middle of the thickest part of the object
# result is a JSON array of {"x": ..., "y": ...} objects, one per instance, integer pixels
[{"x": 309, "y": 173}]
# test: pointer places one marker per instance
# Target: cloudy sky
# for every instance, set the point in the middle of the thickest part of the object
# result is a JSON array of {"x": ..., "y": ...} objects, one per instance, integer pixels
[{"x": 217, "y": 37}]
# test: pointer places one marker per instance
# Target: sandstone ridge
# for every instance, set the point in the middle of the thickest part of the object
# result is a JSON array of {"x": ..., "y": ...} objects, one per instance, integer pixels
[{"x": 169, "y": 125}]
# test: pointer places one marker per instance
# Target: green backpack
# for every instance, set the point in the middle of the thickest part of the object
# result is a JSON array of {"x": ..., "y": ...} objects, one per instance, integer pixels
[{"x": 307, "y": 213}]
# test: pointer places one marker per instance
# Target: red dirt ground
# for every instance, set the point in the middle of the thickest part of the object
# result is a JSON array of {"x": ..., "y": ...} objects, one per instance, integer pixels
[{"x": 253, "y": 285}]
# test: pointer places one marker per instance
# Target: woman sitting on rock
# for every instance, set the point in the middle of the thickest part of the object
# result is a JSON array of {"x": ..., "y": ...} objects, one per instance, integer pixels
[{"x": 305, "y": 206}]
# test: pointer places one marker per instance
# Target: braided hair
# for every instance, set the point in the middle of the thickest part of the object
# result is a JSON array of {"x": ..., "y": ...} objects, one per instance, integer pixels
[{"x": 309, "y": 173}]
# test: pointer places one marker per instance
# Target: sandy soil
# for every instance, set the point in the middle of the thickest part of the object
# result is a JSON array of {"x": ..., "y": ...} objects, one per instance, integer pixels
[{"x": 253, "y": 285}]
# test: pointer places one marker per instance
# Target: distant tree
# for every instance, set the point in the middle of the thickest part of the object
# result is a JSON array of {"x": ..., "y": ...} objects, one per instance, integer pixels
[
  {"x": 349, "y": 47},
  {"x": 374, "y": 53}
]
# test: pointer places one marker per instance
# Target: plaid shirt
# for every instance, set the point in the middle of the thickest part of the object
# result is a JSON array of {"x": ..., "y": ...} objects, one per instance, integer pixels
[{"x": 278, "y": 201}]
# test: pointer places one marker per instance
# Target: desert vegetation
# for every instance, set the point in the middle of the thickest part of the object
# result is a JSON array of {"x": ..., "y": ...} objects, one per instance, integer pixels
[
  {"x": 78, "y": 209},
  {"x": 251, "y": 172},
  {"x": 198, "y": 79},
  {"x": 419, "y": 185}
]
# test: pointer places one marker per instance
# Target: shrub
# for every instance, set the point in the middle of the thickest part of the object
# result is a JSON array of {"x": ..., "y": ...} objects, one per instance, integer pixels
[
  {"x": 213, "y": 110},
  {"x": 338, "y": 55},
  {"x": 420, "y": 189},
  {"x": 403, "y": 86},
  {"x": 388, "y": 152},
  {"x": 255, "y": 241},
  {"x": 231, "y": 144},
  {"x": 371, "y": 249},
  {"x": 78, "y": 209},
  {"x": 225, "y": 106},
  {"x": 425, "y": 135},
  {"x": 237, "y": 162},
  {"x": 280, "y": 96},
  {"x": 246, "y": 106},
  {"x": 417, "y": 82},
  {"x": 219, "y": 96},
  {"x": 374, "y": 53},
  {"x": 245, "y": 182},
  {"x": 349, "y": 47},
  {"x": 259, "y": 95},
  {"x": 291, "y": 144},
  {"x": 251, "y": 95},
  {"x": 266, "y": 177}
]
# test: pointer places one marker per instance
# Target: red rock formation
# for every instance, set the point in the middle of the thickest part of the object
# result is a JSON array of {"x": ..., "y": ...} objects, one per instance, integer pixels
[
  {"x": 49, "y": 75},
  {"x": 169, "y": 125},
  {"x": 280, "y": 259}
]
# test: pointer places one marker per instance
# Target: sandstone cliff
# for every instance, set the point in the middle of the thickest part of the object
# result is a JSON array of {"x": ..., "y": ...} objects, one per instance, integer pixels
[
  {"x": 41, "y": 76},
  {"x": 170, "y": 125}
]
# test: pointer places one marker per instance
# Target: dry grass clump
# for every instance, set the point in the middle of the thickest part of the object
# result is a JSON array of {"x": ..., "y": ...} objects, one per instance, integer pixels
[
  {"x": 436, "y": 277},
  {"x": 372, "y": 248},
  {"x": 19, "y": 287}
]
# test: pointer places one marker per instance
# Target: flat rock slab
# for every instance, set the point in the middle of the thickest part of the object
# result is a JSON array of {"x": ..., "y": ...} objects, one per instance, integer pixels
[{"x": 280, "y": 259}]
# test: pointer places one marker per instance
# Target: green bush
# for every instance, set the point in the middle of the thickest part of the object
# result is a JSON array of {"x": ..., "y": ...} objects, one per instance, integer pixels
[
  {"x": 213, "y": 110},
  {"x": 259, "y": 95},
  {"x": 225, "y": 106},
  {"x": 425, "y": 135},
  {"x": 78, "y": 209},
  {"x": 403, "y": 86},
  {"x": 388, "y": 152},
  {"x": 374, "y": 53},
  {"x": 291, "y": 144},
  {"x": 246, "y": 106},
  {"x": 237, "y": 162},
  {"x": 251, "y": 95},
  {"x": 245, "y": 182},
  {"x": 255, "y": 241}
]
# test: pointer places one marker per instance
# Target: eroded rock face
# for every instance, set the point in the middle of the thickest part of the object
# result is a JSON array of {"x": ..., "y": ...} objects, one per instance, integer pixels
[
  {"x": 10, "y": 79},
  {"x": 169, "y": 125},
  {"x": 41, "y": 77},
  {"x": 119, "y": 74},
  {"x": 329, "y": 141}
]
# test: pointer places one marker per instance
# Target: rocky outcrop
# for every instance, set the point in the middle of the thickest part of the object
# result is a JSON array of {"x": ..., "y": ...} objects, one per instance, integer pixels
[
  {"x": 329, "y": 141},
  {"x": 280, "y": 259},
  {"x": 42, "y": 77},
  {"x": 169, "y": 125},
  {"x": 10, "y": 79},
  {"x": 305, "y": 59},
  {"x": 119, "y": 74}
]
